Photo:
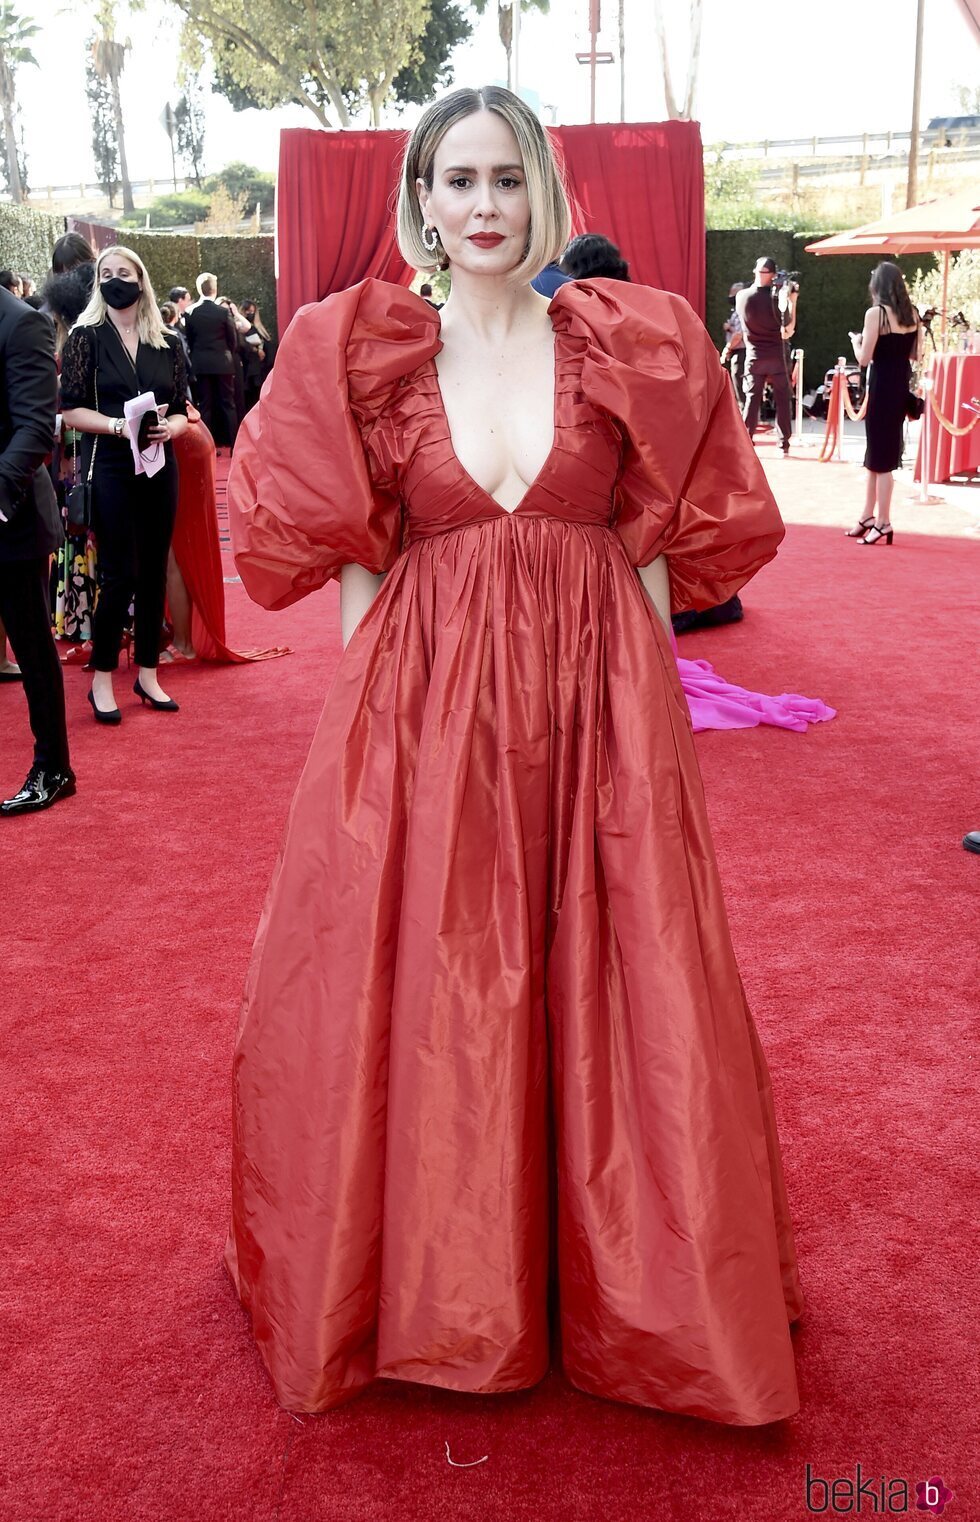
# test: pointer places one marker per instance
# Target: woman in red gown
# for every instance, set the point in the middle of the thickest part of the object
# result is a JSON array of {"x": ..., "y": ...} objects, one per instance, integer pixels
[{"x": 494, "y": 1051}]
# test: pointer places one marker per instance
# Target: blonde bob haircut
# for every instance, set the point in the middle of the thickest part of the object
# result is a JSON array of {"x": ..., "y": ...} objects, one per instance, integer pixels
[
  {"x": 551, "y": 222},
  {"x": 149, "y": 324}
]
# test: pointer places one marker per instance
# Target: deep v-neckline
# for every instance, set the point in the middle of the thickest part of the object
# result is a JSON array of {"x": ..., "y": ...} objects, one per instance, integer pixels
[{"x": 510, "y": 511}]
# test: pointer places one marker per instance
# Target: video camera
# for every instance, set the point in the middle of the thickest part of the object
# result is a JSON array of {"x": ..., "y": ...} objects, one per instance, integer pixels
[{"x": 790, "y": 279}]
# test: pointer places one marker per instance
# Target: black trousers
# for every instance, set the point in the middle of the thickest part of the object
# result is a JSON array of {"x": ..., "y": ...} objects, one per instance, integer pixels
[
  {"x": 26, "y": 614},
  {"x": 757, "y": 372},
  {"x": 737, "y": 367},
  {"x": 216, "y": 399},
  {"x": 134, "y": 523}
]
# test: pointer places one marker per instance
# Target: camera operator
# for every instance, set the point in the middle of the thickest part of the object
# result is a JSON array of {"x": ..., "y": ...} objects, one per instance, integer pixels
[
  {"x": 733, "y": 354},
  {"x": 768, "y": 317}
]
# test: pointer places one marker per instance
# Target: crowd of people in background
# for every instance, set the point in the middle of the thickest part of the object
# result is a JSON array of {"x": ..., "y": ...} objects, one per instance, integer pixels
[
  {"x": 115, "y": 582},
  {"x": 228, "y": 348},
  {"x": 217, "y": 353}
]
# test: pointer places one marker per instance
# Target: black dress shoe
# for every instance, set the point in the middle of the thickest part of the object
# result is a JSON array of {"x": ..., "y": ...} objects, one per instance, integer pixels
[
  {"x": 167, "y": 706},
  {"x": 41, "y": 789},
  {"x": 11, "y": 676},
  {"x": 104, "y": 715},
  {"x": 971, "y": 842}
]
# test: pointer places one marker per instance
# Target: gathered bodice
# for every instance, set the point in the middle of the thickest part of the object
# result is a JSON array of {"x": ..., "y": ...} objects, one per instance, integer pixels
[
  {"x": 349, "y": 458},
  {"x": 410, "y": 453}
]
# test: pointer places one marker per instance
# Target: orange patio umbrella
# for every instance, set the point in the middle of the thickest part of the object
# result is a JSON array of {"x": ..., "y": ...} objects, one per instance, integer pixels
[{"x": 944, "y": 225}]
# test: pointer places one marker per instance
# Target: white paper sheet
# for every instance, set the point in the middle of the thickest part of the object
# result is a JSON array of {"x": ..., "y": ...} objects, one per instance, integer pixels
[{"x": 152, "y": 459}]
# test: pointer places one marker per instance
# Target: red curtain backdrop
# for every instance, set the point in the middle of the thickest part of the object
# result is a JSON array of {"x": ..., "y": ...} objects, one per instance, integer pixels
[{"x": 642, "y": 184}]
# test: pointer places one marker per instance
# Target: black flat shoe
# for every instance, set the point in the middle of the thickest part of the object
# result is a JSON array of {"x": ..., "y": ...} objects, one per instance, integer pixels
[
  {"x": 104, "y": 715},
  {"x": 11, "y": 676},
  {"x": 41, "y": 789},
  {"x": 971, "y": 842},
  {"x": 168, "y": 707}
]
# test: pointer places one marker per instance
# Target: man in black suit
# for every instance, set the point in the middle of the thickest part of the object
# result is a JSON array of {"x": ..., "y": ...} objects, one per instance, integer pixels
[
  {"x": 212, "y": 339},
  {"x": 30, "y": 530}
]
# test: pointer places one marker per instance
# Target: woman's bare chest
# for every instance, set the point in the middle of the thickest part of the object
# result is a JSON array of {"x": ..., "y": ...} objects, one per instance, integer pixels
[{"x": 500, "y": 408}]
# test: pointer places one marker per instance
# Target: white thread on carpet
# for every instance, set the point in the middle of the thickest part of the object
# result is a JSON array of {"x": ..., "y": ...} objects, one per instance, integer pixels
[{"x": 457, "y": 1464}]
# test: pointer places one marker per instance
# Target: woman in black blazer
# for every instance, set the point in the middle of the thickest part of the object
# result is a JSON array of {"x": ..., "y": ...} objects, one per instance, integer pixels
[{"x": 118, "y": 349}]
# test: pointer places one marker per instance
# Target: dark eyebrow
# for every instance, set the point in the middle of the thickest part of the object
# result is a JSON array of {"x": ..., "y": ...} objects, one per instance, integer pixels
[{"x": 497, "y": 169}]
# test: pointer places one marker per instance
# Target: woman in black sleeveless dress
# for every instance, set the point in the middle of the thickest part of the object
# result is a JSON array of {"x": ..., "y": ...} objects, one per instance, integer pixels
[{"x": 888, "y": 343}]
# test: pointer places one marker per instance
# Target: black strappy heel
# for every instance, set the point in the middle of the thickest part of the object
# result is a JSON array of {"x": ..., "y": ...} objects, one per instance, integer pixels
[
  {"x": 877, "y": 533},
  {"x": 858, "y": 533}
]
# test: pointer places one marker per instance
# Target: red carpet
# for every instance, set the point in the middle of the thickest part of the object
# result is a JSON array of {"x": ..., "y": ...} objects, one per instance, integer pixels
[{"x": 131, "y": 1390}]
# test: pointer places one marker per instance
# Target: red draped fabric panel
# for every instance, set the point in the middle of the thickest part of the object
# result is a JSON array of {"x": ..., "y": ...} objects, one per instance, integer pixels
[
  {"x": 197, "y": 547},
  {"x": 335, "y": 214},
  {"x": 640, "y": 183}
]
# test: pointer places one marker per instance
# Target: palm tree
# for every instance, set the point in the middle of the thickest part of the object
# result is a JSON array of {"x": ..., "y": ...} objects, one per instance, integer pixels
[
  {"x": 14, "y": 33},
  {"x": 505, "y": 22},
  {"x": 686, "y": 111},
  {"x": 109, "y": 57}
]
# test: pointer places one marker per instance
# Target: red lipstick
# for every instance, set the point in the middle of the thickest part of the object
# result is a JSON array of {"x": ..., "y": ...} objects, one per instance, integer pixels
[{"x": 486, "y": 240}]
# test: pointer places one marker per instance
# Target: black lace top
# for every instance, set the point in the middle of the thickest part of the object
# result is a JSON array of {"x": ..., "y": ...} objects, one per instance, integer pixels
[{"x": 98, "y": 354}]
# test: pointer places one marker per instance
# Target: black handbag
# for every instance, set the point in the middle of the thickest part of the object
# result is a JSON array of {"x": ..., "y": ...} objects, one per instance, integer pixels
[
  {"x": 914, "y": 406},
  {"x": 78, "y": 506}
]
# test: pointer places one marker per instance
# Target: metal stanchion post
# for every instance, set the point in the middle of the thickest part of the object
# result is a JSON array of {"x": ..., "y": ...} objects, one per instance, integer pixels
[
  {"x": 928, "y": 385},
  {"x": 798, "y": 357},
  {"x": 842, "y": 372}
]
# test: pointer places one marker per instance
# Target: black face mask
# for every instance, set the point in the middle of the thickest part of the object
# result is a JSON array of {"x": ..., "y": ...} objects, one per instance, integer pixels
[{"x": 120, "y": 293}]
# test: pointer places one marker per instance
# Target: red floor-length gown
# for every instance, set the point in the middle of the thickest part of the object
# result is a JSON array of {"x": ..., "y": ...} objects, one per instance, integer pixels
[{"x": 494, "y": 1045}]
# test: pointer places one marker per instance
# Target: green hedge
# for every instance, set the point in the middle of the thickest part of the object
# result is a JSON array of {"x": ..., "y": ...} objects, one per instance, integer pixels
[
  {"x": 27, "y": 238},
  {"x": 833, "y": 298},
  {"x": 244, "y": 266},
  {"x": 170, "y": 258},
  {"x": 833, "y": 288}
]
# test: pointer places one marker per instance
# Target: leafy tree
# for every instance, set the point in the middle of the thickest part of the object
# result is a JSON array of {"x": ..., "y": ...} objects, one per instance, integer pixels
[
  {"x": 184, "y": 209},
  {"x": 683, "y": 112},
  {"x": 505, "y": 23},
  {"x": 225, "y": 213},
  {"x": 189, "y": 127},
  {"x": 245, "y": 180},
  {"x": 109, "y": 58},
  {"x": 968, "y": 97},
  {"x": 104, "y": 149},
  {"x": 415, "y": 84},
  {"x": 963, "y": 293},
  {"x": 15, "y": 33},
  {"x": 431, "y": 72},
  {"x": 330, "y": 56}
]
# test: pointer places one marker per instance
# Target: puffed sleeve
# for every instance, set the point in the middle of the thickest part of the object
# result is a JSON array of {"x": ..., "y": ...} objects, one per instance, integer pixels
[
  {"x": 691, "y": 486},
  {"x": 301, "y": 500}
]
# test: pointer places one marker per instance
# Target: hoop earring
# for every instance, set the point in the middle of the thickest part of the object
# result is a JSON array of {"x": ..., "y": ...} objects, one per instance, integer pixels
[{"x": 431, "y": 247}]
